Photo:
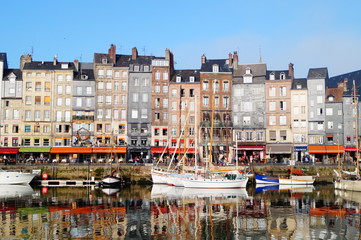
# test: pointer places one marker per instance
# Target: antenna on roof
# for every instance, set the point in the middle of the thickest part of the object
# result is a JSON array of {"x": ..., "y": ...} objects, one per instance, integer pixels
[
  {"x": 260, "y": 54},
  {"x": 32, "y": 50},
  {"x": 143, "y": 50}
]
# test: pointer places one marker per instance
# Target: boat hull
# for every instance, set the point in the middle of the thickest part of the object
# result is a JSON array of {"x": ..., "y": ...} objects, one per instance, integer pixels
[
  {"x": 9, "y": 177},
  {"x": 215, "y": 183},
  {"x": 348, "y": 185},
  {"x": 111, "y": 181},
  {"x": 262, "y": 179},
  {"x": 159, "y": 177}
]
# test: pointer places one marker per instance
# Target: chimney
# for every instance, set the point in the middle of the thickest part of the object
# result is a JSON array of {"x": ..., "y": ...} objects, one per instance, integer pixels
[
  {"x": 112, "y": 53},
  {"x": 134, "y": 53},
  {"x": 55, "y": 61},
  {"x": 345, "y": 85},
  {"x": 204, "y": 59},
  {"x": 235, "y": 59},
  {"x": 24, "y": 59},
  {"x": 76, "y": 64},
  {"x": 291, "y": 70},
  {"x": 230, "y": 60},
  {"x": 169, "y": 56}
]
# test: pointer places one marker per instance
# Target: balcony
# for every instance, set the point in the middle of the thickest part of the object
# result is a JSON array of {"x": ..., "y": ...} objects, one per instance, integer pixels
[{"x": 91, "y": 118}]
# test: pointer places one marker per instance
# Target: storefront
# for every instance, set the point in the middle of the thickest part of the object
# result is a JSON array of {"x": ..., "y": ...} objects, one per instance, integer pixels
[
  {"x": 279, "y": 153},
  {"x": 106, "y": 154},
  {"x": 301, "y": 154},
  {"x": 254, "y": 154},
  {"x": 9, "y": 155},
  {"x": 325, "y": 153},
  {"x": 34, "y": 154},
  {"x": 157, "y": 152},
  {"x": 70, "y": 154}
]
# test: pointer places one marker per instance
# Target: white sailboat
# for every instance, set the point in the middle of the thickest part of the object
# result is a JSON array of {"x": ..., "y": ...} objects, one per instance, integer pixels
[
  {"x": 228, "y": 179},
  {"x": 355, "y": 183},
  {"x": 9, "y": 177}
]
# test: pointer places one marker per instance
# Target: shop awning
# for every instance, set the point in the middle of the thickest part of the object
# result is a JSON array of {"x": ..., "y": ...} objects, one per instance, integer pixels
[
  {"x": 71, "y": 150},
  {"x": 300, "y": 148},
  {"x": 35, "y": 149},
  {"x": 178, "y": 151},
  {"x": 120, "y": 150},
  {"x": 251, "y": 148},
  {"x": 335, "y": 149},
  {"x": 103, "y": 150},
  {"x": 317, "y": 149},
  {"x": 158, "y": 149},
  {"x": 279, "y": 149},
  {"x": 351, "y": 149},
  {"x": 9, "y": 150}
]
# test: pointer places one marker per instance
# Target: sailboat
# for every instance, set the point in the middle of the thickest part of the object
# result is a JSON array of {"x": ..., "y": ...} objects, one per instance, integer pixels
[
  {"x": 209, "y": 180},
  {"x": 111, "y": 180},
  {"x": 353, "y": 184}
]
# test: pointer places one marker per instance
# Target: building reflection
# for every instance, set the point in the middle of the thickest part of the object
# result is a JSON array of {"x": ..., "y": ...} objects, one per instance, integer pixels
[{"x": 176, "y": 213}]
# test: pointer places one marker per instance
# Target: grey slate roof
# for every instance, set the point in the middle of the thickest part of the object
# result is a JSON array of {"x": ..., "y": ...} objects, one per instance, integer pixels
[
  {"x": 185, "y": 74},
  {"x": 37, "y": 65},
  {"x": 299, "y": 82},
  {"x": 222, "y": 63},
  {"x": 349, "y": 77},
  {"x": 277, "y": 74},
  {"x": 18, "y": 73},
  {"x": 317, "y": 73},
  {"x": 257, "y": 70},
  {"x": 84, "y": 75}
]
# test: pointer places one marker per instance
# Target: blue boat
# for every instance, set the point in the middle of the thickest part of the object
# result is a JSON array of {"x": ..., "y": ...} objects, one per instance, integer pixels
[
  {"x": 266, "y": 188},
  {"x": 266, "y": 179}
]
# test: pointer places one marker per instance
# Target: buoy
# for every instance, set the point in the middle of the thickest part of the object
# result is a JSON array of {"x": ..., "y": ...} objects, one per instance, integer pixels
[
  {"x": 44, "y": 190},
  {"x": 45, "y": 176}
]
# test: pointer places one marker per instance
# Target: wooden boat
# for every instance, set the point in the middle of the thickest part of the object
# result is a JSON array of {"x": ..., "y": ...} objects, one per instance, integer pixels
[{"x": 292, "y": 180}]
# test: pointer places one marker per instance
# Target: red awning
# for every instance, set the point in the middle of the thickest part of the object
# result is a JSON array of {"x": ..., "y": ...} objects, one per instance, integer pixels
[
  {"x": 158, "y": 149},
  {"x": 9, "y": 150},
  {"x": 351, "y": 149}
]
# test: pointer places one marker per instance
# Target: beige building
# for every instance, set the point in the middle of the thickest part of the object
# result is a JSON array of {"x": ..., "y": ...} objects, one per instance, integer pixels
[
  {"x": 299, "y": 118},
  {"x": 184, "y": 114},
  {"x": 278, "y": 114}
]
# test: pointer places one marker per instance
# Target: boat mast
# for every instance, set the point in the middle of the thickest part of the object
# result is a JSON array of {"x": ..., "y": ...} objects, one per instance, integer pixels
[
  {"x": 356, "y": 129},
  {"x": 210, "y": 157},
  {"x": 196, "y": 133}
]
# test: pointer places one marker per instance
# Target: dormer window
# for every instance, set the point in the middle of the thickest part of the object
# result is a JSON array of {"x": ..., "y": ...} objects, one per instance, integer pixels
[
  {"x": 215, "y": 68},
  {"x": 331, "y": 99},
  {"x": 64, "y": 66},
  {"x": 298, "y": 86},
  {"x": 191, "y": 79},
  {"x": 272, "y": 76},
  {"x": 247, "y": 78},
  {"x": 146, "y": 68},
  {"x": 136, "y": 68},
  {"x": 104, "y": 60},
  {"x": 282, "y": 76},
  {"x": 178, "y": 79}
]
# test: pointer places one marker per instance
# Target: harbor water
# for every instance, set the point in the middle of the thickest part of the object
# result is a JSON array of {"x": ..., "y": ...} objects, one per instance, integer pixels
[{"x": 163, "y": 212}]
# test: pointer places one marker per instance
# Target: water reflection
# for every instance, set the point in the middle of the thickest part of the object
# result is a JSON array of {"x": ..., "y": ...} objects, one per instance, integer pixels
[{"x": 162, "y": 212}]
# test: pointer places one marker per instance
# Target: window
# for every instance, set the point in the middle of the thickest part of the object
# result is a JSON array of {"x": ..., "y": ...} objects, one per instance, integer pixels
[
  {"x": 247, "y": 120},
  {"x": 59, "y": 89},
  {"x": 272, "y": 120},
  {"x": 108, "y": 113},
  {"x": 295, "y": 123},
  {"x": 283, "y": 135},
  {"x": 38, "y": 86},
  {"x": 174, "y": 119},
  {"x": 145, "y": 97},
  {"x": 178, "y": 79},
  {"x": 157, "y": 75},
  {"x": 108, "y": 86},
  {"x": 68, "y": 77},
  {"x": 329, "y": 111},
  {"x": 174, "y": 92},
  {"x": 215, "y": 68},
  {"x": 100, "y": 99},
  {"x": 108, "y": 99},
  {"x": 47, "y": 86},
  {"x": 272, "y": 106},
  {"x": 225, "y": 86},
  {"x": 27, "y": 128},
  {"x": 100, "y": 85},
  {"x": 109, "y": 73},
  {"x": 100, "y": 73},
  {"x": 58, "y": 116},
  {"x": 157, "y": 88},
  {"x": 15, "y": 129},
  {"x": 205, "y": 101},
  {"x": 272, "y": 135},
  {"x": 37, "y": 115},
  {"x": 78, "y": 102},
  {"x": 37, "y": 128},
  {"x": 174, "y": 131},
  {"x": 136, "y": 68},
  {"x": 16, "y": 114},
  {"x": 116, "y": 99},
  {"x": 330, "y": 125},
  {"x": 303, "y": 123},
  {"x": 319, "y": 87},
  {"x": 216, "y": 101},
  {"x": 67, "y": 89},
  {"x": 319, "y": 125},
  {"x": 60, "y": 78},
  {"x": 79, "y": 90},
  {"x": 144, "y": 113},
  {"x": 319, "y": 99},
  {"x": 157, "y": 116},
  {"x": 67, "y": 116},
  {"x": 136, "y": 82},
  {"x": 135, "y": 97},
  {"x": 115, "y": 114},
  {"x": 191, "y": 79},
  {"x": 319, "y": 111},
  {"x": 47, "y": 115},
  {"x": 215, "y": 85},
  {"x": 272, "y": 91},
  {"x": 59, "y": 101},
  {"x": 165, "y": 103},
  {"x": 249, "y": 136},
  {"x": 28, "y": 86},
  {"x": 282, "y": 76},
  {"x": 205, "y": 85},
  {"x": 134, "y": 113},
  {"x": 165, "y": 88},
  {"x": 283, "y": 120},
  {"x": 282, "y": 105},
  {"x": 37, "y": 100},
  {"x": 283, "y": 91}
]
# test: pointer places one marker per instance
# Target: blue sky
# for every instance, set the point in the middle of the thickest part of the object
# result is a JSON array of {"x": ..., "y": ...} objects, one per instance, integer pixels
[{"x": 309, "y": 34}]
